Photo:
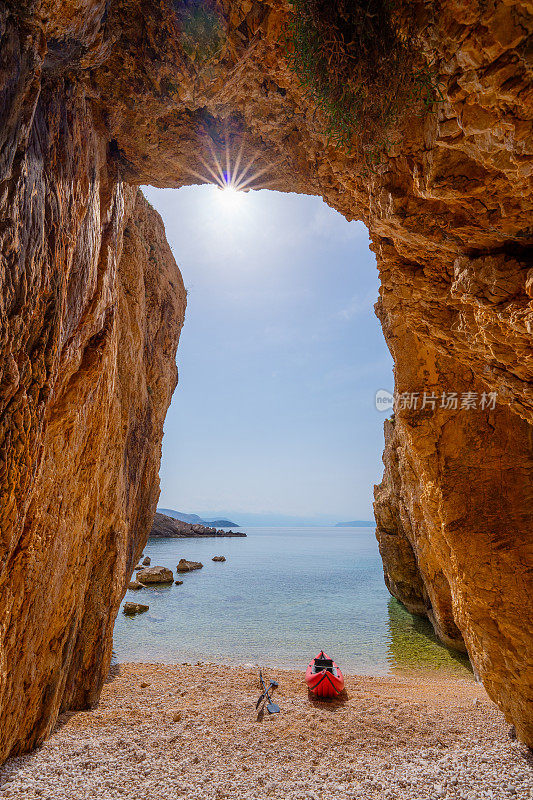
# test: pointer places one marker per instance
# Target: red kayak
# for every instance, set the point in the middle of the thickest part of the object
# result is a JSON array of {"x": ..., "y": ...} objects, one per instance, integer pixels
[{"x": 324, "y": 677}]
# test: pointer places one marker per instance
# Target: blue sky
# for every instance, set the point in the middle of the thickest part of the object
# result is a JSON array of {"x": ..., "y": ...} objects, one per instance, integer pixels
[{"x": 279, "y": 360}]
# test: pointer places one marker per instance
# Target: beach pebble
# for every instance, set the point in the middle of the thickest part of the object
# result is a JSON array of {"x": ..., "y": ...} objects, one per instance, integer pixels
[{"x": 391, "y": 739}]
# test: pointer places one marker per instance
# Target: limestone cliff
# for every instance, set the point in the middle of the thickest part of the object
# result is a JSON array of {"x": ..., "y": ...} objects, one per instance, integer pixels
[
  {"x": 97, "y": 97},
  {"x": 91, "y": 308}
]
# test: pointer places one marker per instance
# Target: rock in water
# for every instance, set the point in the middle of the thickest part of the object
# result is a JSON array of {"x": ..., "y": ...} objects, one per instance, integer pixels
[
  {"x": 187, "y": 566},
  {"x": 178, "y": 583},
  {"x": 134, "y": 585},
  {"x": 147, "y": 561},
  {"x": 134, "y": 608},
  {"x": 218, "y": 558},
  {"x": 155, "y": 575}
]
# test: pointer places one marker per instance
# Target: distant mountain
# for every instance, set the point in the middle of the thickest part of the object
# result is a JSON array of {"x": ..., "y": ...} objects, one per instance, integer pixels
[
  {"x": 223, "y": 523},
  {"x": 194, "y": 519},
  {"x": 356, "y": 523}
]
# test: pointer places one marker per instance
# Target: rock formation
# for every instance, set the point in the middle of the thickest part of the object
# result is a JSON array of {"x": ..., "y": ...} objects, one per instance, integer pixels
[
  {"x": 131, "y": 609},
  {"x": 90, "y": 312},
  {"x": 188, "y": 566},
  {"x": 155, "y": 575},
  {"x": 99, "y": 97},
  {"x": 164, "y": 527}
]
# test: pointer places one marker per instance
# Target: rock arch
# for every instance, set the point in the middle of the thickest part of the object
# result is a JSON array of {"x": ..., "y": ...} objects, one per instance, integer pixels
[{"x": 97, "y": 98}]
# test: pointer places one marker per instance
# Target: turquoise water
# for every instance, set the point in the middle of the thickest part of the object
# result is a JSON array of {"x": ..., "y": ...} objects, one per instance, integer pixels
[{"x": 282, "y": 595}]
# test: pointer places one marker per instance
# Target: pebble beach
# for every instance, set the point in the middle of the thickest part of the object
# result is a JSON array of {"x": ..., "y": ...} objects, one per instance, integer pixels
[{"x": 183, "y": 731}]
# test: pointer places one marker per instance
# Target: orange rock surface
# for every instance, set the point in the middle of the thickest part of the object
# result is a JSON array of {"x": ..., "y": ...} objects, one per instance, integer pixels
[{"x": 97, "y": 98}]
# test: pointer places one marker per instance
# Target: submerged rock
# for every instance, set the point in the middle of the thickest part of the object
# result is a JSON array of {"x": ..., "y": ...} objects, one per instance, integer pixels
[
  {"x": 218, "y": 558},
  {"x": 178, "y": 583},
  {"x": 134, "y": 608},
  {"x": 134, "y": 585},
  {"x": 187, "y": 566},
  {"x": 155, "y": 575}
]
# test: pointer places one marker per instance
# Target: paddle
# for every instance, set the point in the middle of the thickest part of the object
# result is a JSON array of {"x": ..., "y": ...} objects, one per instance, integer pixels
[
  {"x": 272, "y": 708},
  {"x": 272, "y": 685}
]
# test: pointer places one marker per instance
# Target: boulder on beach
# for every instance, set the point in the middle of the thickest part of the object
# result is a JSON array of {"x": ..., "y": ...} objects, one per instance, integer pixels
[
  {"x": 155, "y": 575},
  {"x": 147, "y": 561},
  {"x": 218, "y": 558},
  {"x": 187, "y": 566},
  {"x": 134, "y": 585},
  {"x": 134, "y": 608}
]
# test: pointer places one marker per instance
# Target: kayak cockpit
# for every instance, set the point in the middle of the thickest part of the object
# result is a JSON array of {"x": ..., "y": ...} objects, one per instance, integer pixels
[{"x": 327, "y": 664}]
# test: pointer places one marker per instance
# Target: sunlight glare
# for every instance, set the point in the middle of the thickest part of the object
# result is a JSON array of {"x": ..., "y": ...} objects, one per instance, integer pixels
[
  {"x": 229, "y": 196},
  {"x": 232, "y": 178}
]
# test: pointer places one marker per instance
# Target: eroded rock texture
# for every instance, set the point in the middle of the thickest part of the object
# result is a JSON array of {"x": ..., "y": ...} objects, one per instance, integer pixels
[
  {"x": 99, "y": 97},
  {"x": 91, "y": 308}
]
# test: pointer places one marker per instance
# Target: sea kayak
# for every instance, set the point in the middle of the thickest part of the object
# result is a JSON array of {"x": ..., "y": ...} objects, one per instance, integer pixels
[{"x": 324, "y": 677}]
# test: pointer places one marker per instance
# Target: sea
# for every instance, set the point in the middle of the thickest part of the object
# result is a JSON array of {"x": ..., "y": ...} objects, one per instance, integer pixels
[{"x": 281, "y": 596}]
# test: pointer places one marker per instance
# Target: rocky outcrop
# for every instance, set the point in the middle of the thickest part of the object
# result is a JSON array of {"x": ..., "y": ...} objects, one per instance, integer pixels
[
  {"x": 97, "y": 99},
  {"x": 169, "y": 528},
  {"x": 155, "y": 575},
  {"x": 131, "y": 609},
  {"x": 188, "y": 566}
]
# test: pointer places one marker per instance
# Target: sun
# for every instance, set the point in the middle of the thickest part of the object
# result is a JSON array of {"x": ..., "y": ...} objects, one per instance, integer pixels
[
  {"x": 233, "y": 178},
  {"x": 229, "y": 196}
]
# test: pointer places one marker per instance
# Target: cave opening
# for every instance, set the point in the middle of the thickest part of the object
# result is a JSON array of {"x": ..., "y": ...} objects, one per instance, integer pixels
[
  {"x": 280, "y": 357},
  {"x": 275, "y": 424},
  {"x": 88, "y": 370}
]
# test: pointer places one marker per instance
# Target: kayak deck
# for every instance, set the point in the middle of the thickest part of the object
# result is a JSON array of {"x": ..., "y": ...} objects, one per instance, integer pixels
[{"x": 324, "y": 677}]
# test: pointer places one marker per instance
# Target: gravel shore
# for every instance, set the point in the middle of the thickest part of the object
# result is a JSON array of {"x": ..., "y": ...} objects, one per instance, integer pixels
[{"x": 164, "y": 731}]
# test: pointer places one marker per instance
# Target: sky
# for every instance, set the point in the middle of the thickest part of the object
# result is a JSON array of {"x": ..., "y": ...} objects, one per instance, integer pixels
[{"x": 279, "y": 360}]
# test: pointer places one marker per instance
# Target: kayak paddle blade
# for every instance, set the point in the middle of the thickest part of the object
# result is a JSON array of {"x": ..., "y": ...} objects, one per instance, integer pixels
[
  {"x": 260, "y": 698},
  {"x": 272, "y": 708}
]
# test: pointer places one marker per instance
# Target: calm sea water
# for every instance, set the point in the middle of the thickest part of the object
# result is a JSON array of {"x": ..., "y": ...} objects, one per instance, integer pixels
[{"x": 282, "y": 595}]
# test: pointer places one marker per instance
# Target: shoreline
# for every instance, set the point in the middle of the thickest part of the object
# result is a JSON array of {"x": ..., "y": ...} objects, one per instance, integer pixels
[
  {"x": 165, "y": 527},
  {"x": 193, "y": 732},
  {"x": 423, "y": 673}
]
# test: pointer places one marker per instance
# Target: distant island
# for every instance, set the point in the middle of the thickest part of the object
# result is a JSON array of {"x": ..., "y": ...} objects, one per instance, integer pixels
[
  {"x": 166, "y": 527},
  {"x": 356, "y": 523},
  {"x": 194, "y": 519}
]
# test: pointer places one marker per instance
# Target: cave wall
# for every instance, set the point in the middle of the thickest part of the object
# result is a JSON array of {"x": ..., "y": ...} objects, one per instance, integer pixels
[
  {"x": 97, "y": 98},
  {"x": 453, "y": 517},
  {"x": 92, "y": 306}
]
